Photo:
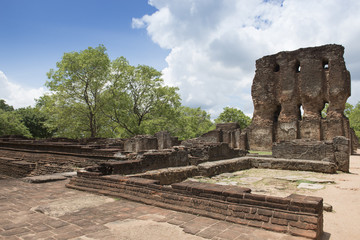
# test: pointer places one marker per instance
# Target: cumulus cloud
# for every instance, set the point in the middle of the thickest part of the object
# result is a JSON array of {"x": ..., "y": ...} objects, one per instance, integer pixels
[
  {"x": 214, "y": 44},
  {"x": 17, "y": 95}
]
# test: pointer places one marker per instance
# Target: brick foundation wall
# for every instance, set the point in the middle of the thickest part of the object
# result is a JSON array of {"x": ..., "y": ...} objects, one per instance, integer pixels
[
  {"x": 15, "y": 168},
  {"x": 296, "y": 214},
  {"x": 336, "y": 151},
  {"x": 57, "y": 147},
  {"x": 43, "y": 162}
]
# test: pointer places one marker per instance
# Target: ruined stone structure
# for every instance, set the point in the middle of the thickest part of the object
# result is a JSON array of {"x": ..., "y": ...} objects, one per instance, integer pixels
[
  {"x": 229, "y": 133},
  {"x": 306, "y": 78},
  {"x": 140, "y": 143},
  {"x": 152, "y": 169}
]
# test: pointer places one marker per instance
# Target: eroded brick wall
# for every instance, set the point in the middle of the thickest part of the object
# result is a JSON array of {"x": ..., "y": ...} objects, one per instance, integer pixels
[
  {"x": 308, "y": 77},
  {"x": 296, "y": 214}
]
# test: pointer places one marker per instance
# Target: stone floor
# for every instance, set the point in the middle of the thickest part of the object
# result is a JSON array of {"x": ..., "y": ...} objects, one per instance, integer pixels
[{"x": 114, "y": 219}]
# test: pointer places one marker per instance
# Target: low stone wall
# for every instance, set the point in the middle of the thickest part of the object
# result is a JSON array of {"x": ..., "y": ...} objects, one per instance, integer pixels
[
  {"x": 200, "y": 153},
  {"x": 336, "y": 151},
  {"x": 167, "y": 176},
  {"x": 296, "y": 214},
  {"x": 145, "y": 162},
  {"x": 177, "y": 156},
  {"x": 174, "y": 175}
]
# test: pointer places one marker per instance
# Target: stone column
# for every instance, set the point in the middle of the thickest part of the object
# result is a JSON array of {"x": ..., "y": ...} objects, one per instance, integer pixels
[
  {"x": 287, "y": 126},
  {"x": 263, "y": 91},
  {"x": 312, "y": 93}
]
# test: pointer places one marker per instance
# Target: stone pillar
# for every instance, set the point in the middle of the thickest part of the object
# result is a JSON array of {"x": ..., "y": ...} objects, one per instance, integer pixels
[
  {"x": 312, "y": 94},
  {"x": 287, "y": 126},
  {"x": 342, "y": 153},
  {"x": 266, "y": 106}
]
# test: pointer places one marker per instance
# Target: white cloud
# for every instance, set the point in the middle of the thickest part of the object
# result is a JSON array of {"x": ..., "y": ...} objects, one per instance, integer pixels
[
  {"x": 17, "y": 95},
  {"x": 214, "y": 44}
]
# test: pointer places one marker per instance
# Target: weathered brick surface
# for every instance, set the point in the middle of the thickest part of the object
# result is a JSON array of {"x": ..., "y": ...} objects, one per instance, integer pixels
[
  {"x": 336, "y": 151},
  {"x": 307, "y": 77},
  {"x": 297, "y": 214}
]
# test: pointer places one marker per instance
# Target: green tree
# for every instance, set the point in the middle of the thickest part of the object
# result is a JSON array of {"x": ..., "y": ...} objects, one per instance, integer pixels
[
  {"x": 354, "y": 119},
  {"x": 10, "y": 124},
  {"x": 233, "y": 115},
  {"x": 137, "y": 100},
  {"x": 5, "y": 107},
  {"x": 347, "y": 111},
  {"x": 34, "y": 120},
  {"x": 77, "y": 86},
  {"x": 191, "y": 123},
  {"x": 324, "y": 111}
]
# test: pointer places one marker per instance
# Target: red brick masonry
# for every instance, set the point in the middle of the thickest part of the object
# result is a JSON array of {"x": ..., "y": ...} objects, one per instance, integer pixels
[{"x": 296, "y": 214}]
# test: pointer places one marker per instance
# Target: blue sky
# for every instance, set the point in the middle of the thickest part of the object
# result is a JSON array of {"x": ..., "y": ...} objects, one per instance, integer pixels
[
  {"x": 207, "y": 48},
  {"x": 35, "y": 34}
]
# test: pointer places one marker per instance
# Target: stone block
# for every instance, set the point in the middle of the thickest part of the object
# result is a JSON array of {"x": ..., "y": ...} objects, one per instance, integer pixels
[
  {"x": 260, "y": 137},
  {"x": 332, "y": 128},
  {"x": 214, "y": 136},
  {"x": 310, "y": 129},
  {"x": 304, "y": 149},
  {"x": 164, "y": 140},
  {"x": 140, "y": 143},
  {"x": 287, "y": 131}
]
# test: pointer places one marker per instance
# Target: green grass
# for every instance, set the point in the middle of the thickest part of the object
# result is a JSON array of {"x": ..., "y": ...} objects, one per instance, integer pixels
[
  {"x": 304, "y": 181},
  {"x": 261, "y": 152}
]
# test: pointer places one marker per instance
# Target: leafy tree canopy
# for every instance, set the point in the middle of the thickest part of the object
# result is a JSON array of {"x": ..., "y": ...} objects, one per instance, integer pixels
[
  {"x": 77, "y": 86},
  {"x": 34, "y": 120},
  {"x": 137, "y": 99},
  {"x": 192, "y": 122},
  {"x": 233, "y": 115},
  {"x": 10, "y": 124},
  {"x": 354, "y": 119},
  {"x": 5, "y": 107}
]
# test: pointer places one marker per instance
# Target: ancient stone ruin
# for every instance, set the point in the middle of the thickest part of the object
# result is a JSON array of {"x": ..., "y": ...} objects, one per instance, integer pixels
[
  {"x": 307, "y": 78},
  {"x": 154, "y": 169}
]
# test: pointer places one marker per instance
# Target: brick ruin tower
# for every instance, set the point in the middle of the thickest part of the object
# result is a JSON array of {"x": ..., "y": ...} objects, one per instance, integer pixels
[{"x": 307, "y": 77}]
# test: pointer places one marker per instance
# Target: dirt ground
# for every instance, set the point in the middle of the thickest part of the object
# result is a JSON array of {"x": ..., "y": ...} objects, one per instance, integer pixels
[
  {"x": 344, "y": 196},
  {"x": 340, "y": 190}
]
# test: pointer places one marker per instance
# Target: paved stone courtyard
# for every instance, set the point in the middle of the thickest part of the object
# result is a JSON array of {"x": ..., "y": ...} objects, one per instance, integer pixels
[{"x": 109, "y": 219}]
